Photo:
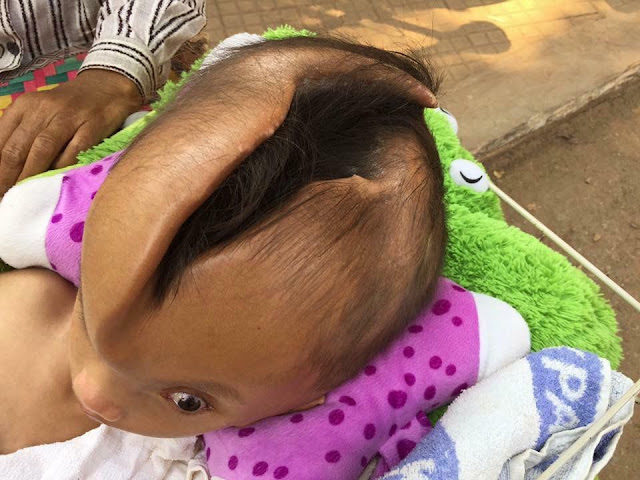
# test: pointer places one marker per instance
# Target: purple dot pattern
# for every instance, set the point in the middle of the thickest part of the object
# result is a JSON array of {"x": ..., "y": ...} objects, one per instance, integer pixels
[
  {"x": 430, "y": 392},
  {"x": 382, "y": 411},
  {"x": 347, "y": 400},
  {"x": 369, "y": 431},
  {"x": 208, "y": 453},
  {"x": 336, "y": 417},
  {"x": 441, "y": 307},
  {"x": 260, "y": 469},
  {"x": 76, "y": 232},
  {"x": 422, "y": 419},
  {"x": 397, "y": 398},
  {"x": 65, "y": 232},
  {"x": 409, "y": 379},
  {"x": 404, "y": 447},
  {"x": 245, "y": 432},
  {"x": 333, "y": 456},
  {"x": 435, "y": 362},
  {"x": 280, "y": 472},
  {"x": 459, "y": 389}
]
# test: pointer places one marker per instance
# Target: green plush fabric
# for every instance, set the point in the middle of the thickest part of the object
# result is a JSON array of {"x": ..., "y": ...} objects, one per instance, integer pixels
[
  {"x": 559, "y": 302},
  {"x": 561, "y": 305}
]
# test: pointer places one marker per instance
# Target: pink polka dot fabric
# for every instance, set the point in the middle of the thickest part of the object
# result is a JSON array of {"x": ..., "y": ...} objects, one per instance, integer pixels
[
  {"x": 63, "y": 240},
  {"x": 380, "y": 411}
]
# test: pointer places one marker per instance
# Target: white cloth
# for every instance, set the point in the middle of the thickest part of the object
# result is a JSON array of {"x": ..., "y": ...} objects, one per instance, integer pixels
[
  {"x": 515, "y": 423},
  {"x": 228, "y": 45},
  {"x": 589, "y": 461},
  {"x": 25, "y": 215},
  {"x": 106, "y": 453}
]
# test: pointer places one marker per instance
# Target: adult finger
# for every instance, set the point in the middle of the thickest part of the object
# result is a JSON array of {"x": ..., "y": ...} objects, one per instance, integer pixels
[
  {"x": 46, "y": 147},
  {"x": 9, "y": 121},
  {"x": 85, "y": 137},
  {"x": 13, "y": 155}
]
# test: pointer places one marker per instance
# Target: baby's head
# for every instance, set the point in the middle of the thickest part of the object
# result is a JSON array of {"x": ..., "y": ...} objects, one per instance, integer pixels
[{"x": 309, "y": 259}]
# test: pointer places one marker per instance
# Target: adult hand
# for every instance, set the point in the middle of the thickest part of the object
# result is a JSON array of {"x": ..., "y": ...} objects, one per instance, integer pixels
[{"x": 48, "y": 129}]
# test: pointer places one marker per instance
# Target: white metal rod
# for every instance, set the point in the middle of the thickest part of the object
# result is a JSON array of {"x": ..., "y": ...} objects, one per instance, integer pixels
[
  {"x": 591, "y": 432},
  {"x": 567, "y": 248},
  {"x": 598, "y": 425}
]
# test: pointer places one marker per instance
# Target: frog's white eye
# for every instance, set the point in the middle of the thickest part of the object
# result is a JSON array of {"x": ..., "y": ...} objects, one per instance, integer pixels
[
  {"x": 467, "y": 174},
  {"x": 451, "y": 119}
]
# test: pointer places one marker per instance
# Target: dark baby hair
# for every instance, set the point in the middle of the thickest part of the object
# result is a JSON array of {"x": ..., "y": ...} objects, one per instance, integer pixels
[{"x": 387, "y": 247}]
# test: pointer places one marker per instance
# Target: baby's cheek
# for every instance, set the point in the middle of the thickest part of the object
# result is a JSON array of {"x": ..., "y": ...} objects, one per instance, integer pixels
[{"x": 286, "y": 395}]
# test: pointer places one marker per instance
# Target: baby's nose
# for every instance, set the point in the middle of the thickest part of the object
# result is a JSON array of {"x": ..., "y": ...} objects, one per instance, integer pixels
[{"x": 93, "y": 400}]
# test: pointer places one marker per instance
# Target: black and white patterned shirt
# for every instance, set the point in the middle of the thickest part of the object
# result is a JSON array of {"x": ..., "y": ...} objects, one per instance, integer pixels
[{"x": 136, "y": 38}]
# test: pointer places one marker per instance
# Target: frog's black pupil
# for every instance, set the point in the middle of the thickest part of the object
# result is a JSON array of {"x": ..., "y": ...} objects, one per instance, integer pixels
[{"x": 190, "y": 403}]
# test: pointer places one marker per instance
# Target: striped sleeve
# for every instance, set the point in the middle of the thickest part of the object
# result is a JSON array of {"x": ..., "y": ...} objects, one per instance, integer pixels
[{"x": 137, "y": 38}]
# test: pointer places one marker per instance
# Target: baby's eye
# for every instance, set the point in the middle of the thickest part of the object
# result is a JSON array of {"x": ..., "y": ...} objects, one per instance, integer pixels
[{"x": 187, "y": 402}]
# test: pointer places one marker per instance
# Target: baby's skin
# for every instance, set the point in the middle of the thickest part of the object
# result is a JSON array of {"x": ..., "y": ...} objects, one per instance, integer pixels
[
  {"x": 185, "y": 375},
  {"x": 47, "y": 400},
  {"x": 208, "y": 361},
  {"x": 38, "y": 402},
  {"x": 52, "y": 308},
  {"x": 229, "y": 349}
]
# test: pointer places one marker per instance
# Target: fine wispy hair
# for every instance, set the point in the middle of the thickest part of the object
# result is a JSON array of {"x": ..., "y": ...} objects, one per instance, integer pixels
[{"x": 369, "y": 257}]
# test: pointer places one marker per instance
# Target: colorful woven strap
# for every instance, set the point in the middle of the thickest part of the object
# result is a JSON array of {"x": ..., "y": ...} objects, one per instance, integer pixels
[{"x": 44, "y": 78}]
